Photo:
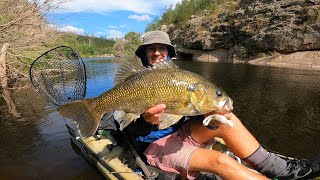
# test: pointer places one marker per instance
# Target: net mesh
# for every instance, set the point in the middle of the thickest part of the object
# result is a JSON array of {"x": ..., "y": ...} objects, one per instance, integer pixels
[{"x": 59, "y": 75}]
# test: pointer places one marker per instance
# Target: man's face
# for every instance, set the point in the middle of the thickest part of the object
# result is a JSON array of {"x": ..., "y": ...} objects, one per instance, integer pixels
[{"x": 156, "y": 53}]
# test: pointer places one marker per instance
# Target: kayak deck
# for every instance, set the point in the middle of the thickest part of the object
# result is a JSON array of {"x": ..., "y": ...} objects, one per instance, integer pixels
[
  {"x": 111, "y": 158},
  {"x": 117, "y": 162},
  {"x": 112, "y": 161}
]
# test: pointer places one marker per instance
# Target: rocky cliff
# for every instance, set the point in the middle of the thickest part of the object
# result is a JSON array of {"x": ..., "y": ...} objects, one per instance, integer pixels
[{"x": 246, "y": 29}]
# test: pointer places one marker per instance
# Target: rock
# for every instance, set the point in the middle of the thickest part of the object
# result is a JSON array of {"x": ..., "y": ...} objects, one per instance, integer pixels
[
  {"x": 192, "y": 17},
  {"x": 311, "y": 1},
  {"x": 284, "y": 31},
  {"x": 218, "y": 55},
  {"x": 205, "y": 12},
  {"x": 258, "y": 26},
  {"x": 164, "y": 28},
  {"x": 297, "y": 60}
]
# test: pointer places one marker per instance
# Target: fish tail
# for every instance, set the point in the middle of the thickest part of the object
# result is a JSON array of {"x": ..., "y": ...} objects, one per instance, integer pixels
[{"x": 86, "y": 119}]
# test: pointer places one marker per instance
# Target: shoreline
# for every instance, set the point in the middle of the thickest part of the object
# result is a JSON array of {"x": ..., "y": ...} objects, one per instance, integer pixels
[
  {"x": 287, "y": 65},
  {"x": 306, "y": 60}
]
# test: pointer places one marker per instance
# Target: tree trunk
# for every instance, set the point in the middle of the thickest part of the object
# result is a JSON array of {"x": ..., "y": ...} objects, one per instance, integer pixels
[{"x": 3, "y": 74}]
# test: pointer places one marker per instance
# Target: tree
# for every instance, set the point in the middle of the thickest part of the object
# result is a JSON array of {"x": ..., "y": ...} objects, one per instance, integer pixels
[
  {"x": 133, "y": 40},
  {"x": 23, "y": 26},
  {"x": 118, "y": 47},
  {"x": 128, "y": 45},
  {"x": 182, "y": 12}
]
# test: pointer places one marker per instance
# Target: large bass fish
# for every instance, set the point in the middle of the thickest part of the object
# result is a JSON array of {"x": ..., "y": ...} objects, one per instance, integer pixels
[{"x": 138, "y": 88}]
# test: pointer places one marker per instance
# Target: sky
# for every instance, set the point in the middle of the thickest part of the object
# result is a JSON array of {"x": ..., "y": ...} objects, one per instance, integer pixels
[{"x": 107, "y": 18}]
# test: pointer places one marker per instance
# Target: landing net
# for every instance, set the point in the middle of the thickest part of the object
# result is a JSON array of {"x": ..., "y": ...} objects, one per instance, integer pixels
[{"x": 59, "y": 75}]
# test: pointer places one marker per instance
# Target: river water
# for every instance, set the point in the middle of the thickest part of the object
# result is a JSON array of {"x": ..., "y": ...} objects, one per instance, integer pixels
[{"x": 281, "y": 107}]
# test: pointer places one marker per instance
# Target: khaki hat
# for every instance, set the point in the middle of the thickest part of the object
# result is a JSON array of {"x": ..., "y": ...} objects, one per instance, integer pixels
[{"x": 153, "y": 37}]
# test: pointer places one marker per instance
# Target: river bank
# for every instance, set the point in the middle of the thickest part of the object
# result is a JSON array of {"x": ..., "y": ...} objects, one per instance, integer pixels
[
  {"x": 299, "y": 60},
  {"x": 309, "y": 60}
]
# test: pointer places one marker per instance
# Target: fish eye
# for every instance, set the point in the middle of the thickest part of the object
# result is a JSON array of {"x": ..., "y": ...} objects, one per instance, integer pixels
[{"x": 219, "y": 93}]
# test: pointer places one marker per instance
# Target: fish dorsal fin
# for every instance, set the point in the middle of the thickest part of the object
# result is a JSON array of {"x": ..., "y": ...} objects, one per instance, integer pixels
[{"x": 130, "y": 68}]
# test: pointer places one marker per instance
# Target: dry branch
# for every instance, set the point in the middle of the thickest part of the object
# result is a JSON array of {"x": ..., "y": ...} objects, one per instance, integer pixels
[{"x": 22, "y": 24}]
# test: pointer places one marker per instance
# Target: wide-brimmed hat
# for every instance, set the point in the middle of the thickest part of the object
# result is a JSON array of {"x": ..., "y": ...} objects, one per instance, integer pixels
[{"x": 153, "y": 37}]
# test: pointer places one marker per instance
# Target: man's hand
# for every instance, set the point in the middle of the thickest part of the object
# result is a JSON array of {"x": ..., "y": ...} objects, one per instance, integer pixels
[{"x": 152, "y": 115}]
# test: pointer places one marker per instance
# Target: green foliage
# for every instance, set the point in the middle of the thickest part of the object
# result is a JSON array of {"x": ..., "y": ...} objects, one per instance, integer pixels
[
  {"x": 133, "y": 40},
  {"x": 128, "y": 45},
  {"x": 182, "y": 12},
  {"x": 153, "y": 26},
  {"x": 87, "y": 46},
  {"x": 86, "y": 49}
]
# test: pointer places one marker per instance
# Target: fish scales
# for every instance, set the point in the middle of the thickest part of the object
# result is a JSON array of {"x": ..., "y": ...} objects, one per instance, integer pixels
[
  {"x": 147, "y": 89},
  {"x": 184, "y": 93}
]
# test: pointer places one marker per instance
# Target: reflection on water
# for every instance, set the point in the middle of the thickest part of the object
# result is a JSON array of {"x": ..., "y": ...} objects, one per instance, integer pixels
[
  {"x": 100, "y": 77},
  {"x": 281, "y": 107}
]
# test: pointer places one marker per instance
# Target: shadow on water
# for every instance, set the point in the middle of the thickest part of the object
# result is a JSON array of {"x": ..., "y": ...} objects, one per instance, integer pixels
[{"x": 281, "y": 107}]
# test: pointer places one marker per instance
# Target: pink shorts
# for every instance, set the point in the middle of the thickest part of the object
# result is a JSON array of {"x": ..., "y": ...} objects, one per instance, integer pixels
[{"x": 173, "y": 152}]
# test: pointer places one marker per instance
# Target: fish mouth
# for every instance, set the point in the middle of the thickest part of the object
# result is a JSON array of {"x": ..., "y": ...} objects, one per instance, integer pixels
[{"x": 226, "y": 105}]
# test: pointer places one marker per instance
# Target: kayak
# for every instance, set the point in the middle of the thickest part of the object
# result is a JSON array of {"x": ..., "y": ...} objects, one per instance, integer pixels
[
  {"x": 109, "y": 159},
  {"x": 109, "y": 152}
]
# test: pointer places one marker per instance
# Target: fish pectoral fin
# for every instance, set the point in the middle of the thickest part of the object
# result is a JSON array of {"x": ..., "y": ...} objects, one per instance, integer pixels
[
  {"x": 86, "y": 120},
  {"x": 124, "y": 119},
  {"x": 167, "y": 120},
  {"x": 197, "y": 95}
]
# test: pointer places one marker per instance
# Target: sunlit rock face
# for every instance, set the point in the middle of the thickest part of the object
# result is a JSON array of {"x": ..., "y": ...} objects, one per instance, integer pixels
[{"x": 251, "y": 27}]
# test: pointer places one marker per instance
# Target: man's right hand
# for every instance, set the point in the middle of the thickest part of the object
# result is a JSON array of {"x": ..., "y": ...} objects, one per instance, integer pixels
[{"x": 152, "y": 115}]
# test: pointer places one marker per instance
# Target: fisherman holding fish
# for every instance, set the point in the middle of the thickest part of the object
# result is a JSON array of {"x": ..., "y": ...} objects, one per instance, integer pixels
[
  {"x": 182, "y": 151},
  {"x": 177, "y": 115}
]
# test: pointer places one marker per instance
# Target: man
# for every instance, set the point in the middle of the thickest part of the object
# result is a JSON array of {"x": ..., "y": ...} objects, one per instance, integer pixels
[{"x": 180, "y": 148}]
